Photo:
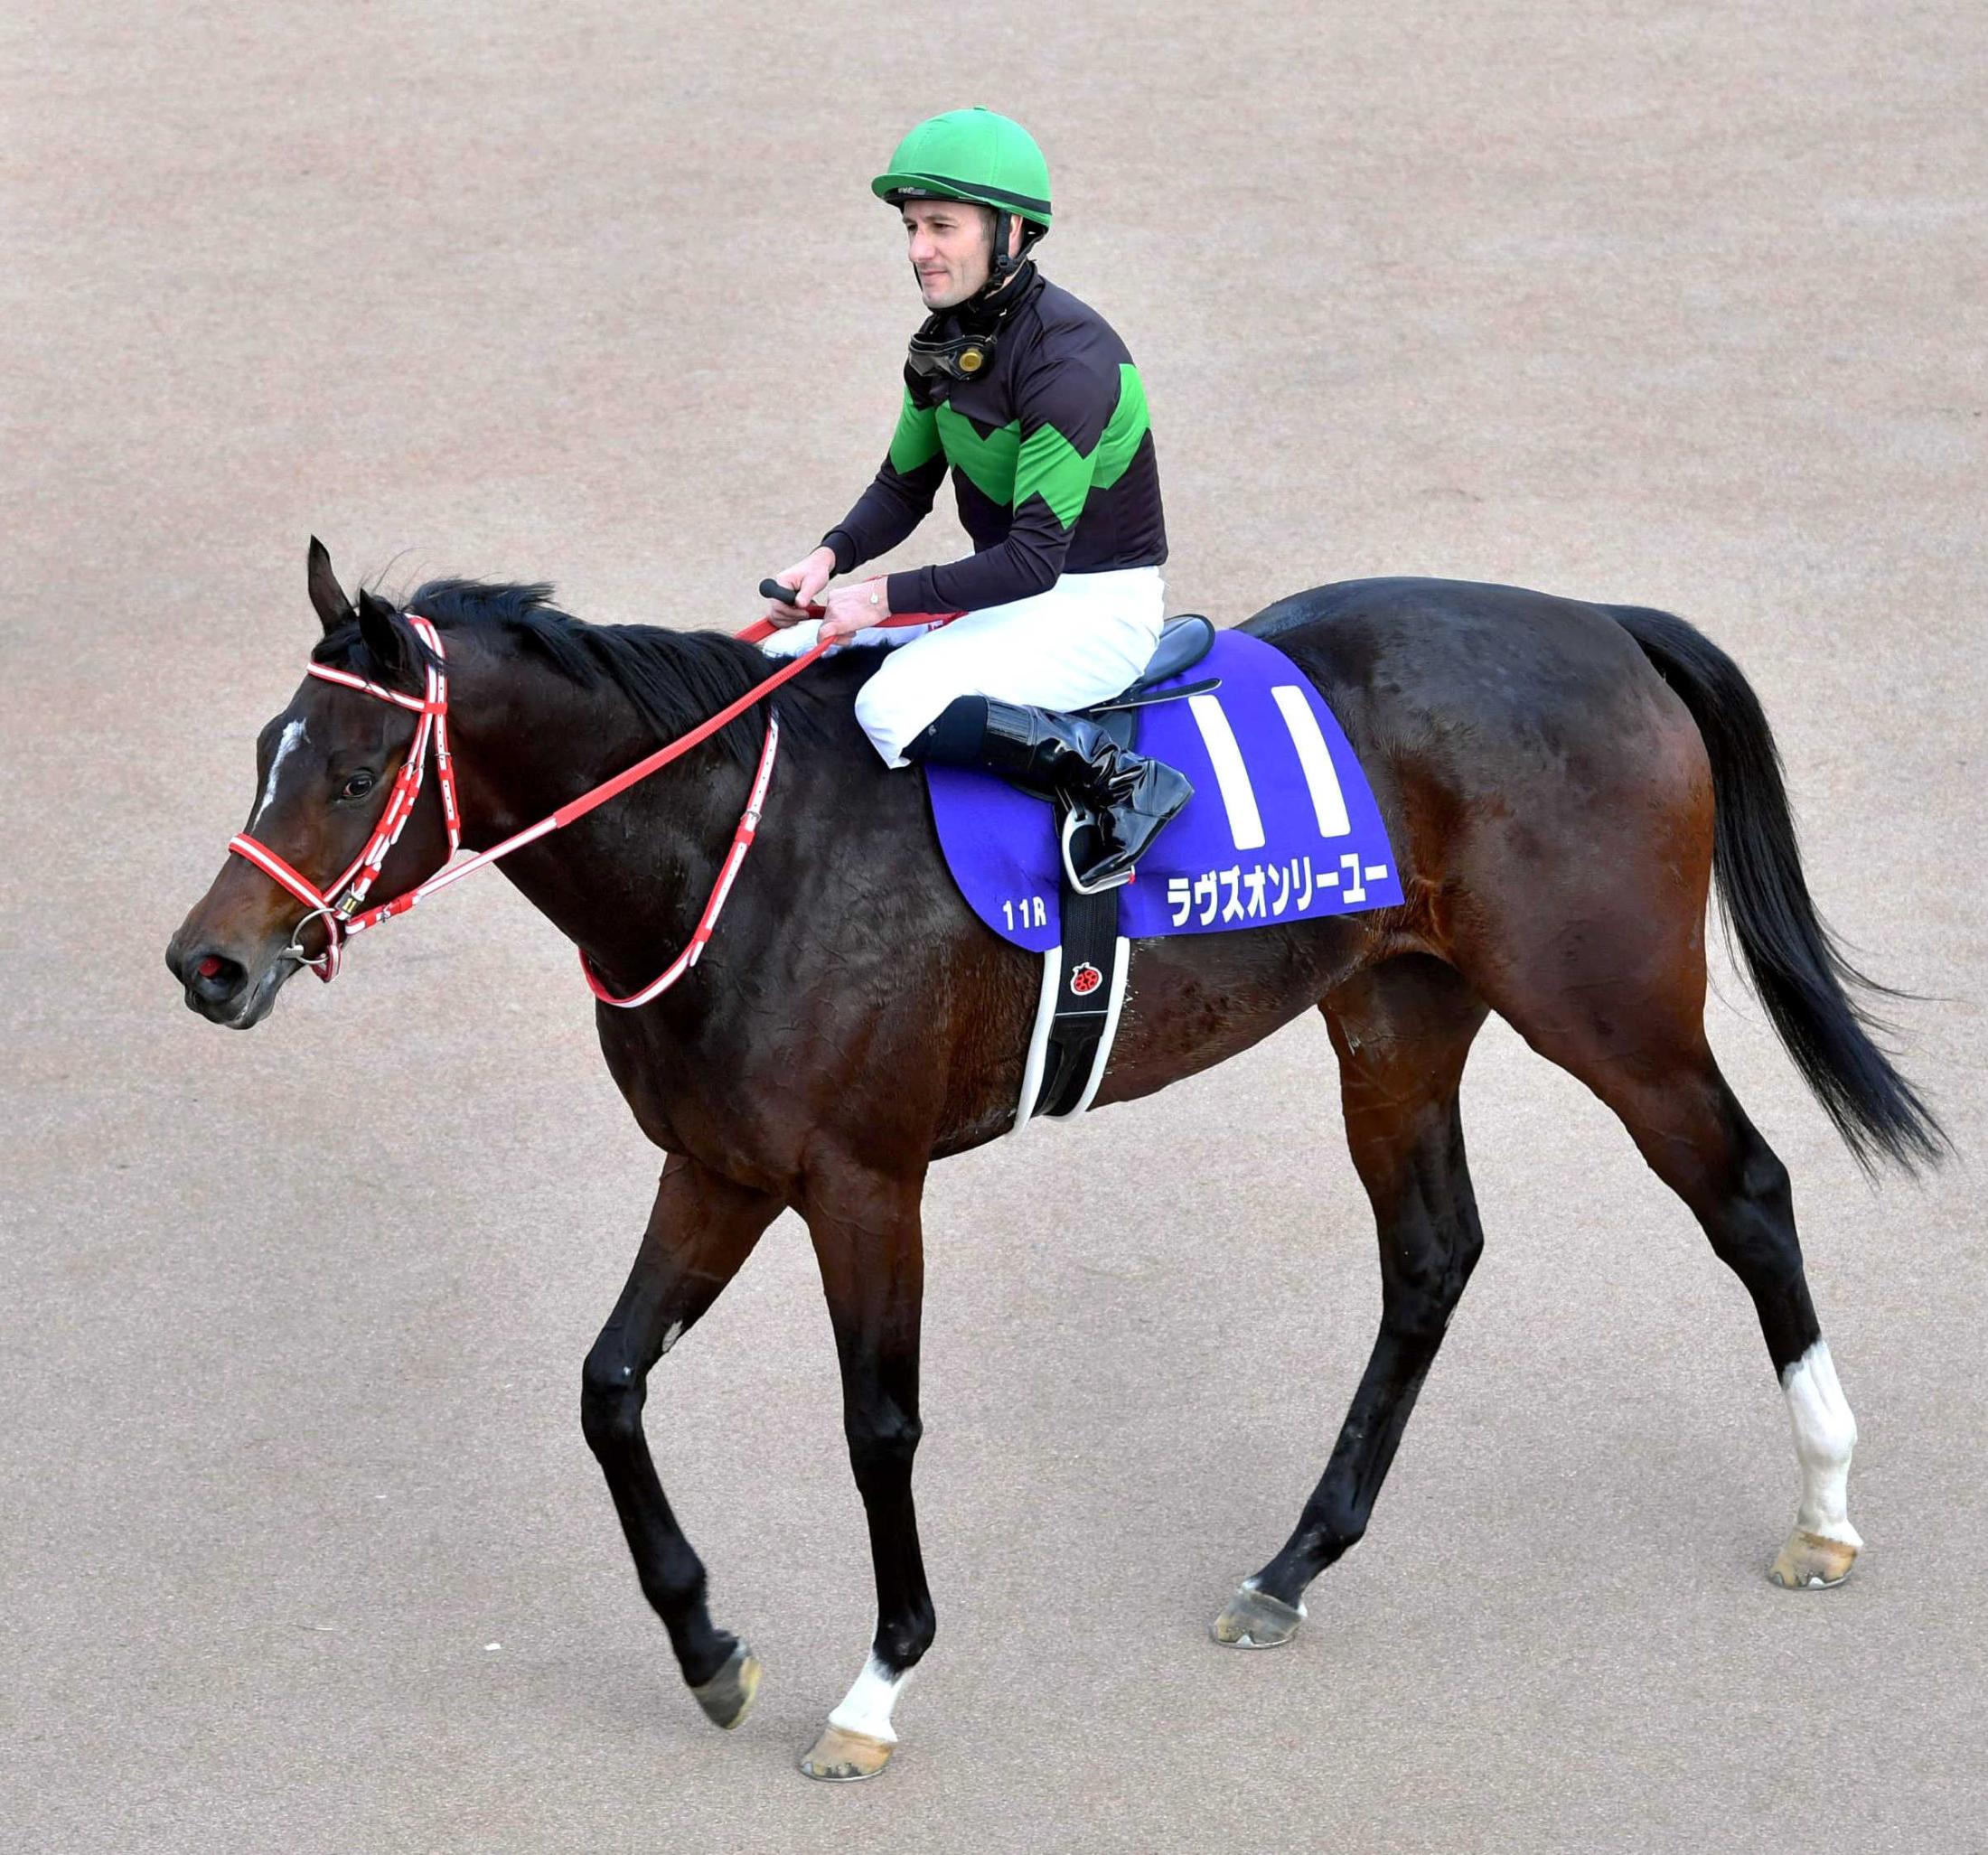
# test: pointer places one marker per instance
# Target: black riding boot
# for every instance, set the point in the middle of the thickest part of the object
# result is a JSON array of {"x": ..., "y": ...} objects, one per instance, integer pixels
[{"x": 1063, "y": 756}]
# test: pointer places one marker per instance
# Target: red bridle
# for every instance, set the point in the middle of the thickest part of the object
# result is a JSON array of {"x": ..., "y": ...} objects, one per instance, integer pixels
[
  {"x": 340, "y": 905},
  {"x": 338, "y": 902}
]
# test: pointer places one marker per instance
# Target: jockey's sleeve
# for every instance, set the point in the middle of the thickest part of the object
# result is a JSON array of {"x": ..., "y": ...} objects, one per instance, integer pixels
[
  {"x": 1064, "y": 400},
  {"x": 900, "y": 497}
]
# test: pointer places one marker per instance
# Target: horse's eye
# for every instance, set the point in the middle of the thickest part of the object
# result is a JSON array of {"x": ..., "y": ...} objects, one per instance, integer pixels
[{"x": 357, "y": 786}]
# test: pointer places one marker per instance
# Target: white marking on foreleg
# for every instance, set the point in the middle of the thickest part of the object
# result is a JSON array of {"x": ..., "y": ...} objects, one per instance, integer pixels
[
  {"x": 865, "y": 1708},
  {"x": 293, "y": 732},
  {"x": 1824, "y": 1435}
]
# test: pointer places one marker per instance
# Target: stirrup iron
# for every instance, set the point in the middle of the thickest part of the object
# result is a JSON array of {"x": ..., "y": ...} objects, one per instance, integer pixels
[{"x": 1076, "y": 818}]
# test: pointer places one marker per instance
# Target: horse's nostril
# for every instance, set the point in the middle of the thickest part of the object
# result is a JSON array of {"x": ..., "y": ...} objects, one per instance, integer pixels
[{"x": 214, "y": 978}]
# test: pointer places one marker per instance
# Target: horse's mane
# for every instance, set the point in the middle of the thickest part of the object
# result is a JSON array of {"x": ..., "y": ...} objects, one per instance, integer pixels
[{"x": 675, "y": 679}]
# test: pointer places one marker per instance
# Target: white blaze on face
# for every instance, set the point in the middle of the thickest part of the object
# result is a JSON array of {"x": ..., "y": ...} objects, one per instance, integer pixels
[
  {"x": 865, "y": 1708},
  {"x": 292, "y": 733},
  {"x": 1824, "y": 1435}
]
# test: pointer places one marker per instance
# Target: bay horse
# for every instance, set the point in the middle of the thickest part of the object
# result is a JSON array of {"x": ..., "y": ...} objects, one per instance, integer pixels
[{"x": 1560, "y": 782}]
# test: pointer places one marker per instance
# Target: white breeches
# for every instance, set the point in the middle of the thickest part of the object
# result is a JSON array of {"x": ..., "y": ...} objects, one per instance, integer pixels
[{"x": 1080, "y": 642}]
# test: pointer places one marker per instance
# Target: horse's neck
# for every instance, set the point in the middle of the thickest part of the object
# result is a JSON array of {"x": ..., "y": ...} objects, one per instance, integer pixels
[{"x": 626, "y": 883}]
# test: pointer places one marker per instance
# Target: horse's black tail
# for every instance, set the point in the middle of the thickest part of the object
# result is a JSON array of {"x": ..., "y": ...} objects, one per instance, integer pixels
[{"x": 1798, "y": 967}]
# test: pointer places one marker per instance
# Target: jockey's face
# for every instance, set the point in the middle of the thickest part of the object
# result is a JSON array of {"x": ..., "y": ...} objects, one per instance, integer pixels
[{"x": 951, "y": 248}]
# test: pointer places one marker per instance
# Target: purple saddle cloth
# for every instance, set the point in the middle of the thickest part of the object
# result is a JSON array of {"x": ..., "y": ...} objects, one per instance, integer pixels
[{"x": 1282, "y": 826}]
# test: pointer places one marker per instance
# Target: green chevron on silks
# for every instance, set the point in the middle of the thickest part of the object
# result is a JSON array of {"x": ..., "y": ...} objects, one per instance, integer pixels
[{"x": 1009, "y": 469}]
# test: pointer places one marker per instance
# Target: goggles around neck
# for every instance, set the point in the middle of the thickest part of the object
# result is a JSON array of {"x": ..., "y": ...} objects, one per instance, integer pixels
[
  {"x": 954, "y": 357},
  {"x": 958, "y": 344}
]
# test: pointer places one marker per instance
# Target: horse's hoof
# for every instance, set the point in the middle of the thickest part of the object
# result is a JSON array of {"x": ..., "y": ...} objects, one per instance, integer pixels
[
  {"x": 728, "y": 1697},
  {"x": 1256, "y": 1620},
  {"x": 1809, "y": 1562},
  {"x": 841, "y": 1757}
]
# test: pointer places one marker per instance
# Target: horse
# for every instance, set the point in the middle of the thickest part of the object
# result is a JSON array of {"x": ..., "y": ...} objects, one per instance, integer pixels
[{"x": 1561, "y": 782}]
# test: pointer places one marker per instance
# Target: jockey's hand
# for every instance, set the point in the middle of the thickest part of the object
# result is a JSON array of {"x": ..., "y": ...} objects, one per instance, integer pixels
[
  {"x": 856, "y": 608},
  {"x": 807, "y": 577}
]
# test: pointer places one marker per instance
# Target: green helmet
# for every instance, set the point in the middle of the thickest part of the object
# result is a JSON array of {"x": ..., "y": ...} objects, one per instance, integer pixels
[{"x": 971, "y": 155}]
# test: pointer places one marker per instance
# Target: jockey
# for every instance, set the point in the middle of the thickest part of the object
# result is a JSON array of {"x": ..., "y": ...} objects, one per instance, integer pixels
[{"x": 1033, "y": 403}]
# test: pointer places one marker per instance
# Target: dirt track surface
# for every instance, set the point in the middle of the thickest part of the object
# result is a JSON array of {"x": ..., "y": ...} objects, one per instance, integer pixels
[{"x": 1674, "y": 304}]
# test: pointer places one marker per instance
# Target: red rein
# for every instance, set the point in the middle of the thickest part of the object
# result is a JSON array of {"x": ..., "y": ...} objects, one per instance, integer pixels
[{"x": 340, "y": 905}]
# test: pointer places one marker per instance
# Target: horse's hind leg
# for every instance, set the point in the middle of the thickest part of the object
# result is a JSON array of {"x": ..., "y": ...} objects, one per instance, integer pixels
[
  {"x": 1403, "y": 1031},
  {"x": 1696, "y": 1138},
  {"x": 703, "y": 1227},
  {"x": 1619, "y": 1001}
]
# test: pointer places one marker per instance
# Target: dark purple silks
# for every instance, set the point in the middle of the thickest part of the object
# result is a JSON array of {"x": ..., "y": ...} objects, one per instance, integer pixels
[{"x": 1282, "y": 826}]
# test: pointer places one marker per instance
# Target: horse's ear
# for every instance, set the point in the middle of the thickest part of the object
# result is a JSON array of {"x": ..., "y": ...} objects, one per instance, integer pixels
[
  {"x": 327, "y": 597},
  {"x": 381, "y": 635}
]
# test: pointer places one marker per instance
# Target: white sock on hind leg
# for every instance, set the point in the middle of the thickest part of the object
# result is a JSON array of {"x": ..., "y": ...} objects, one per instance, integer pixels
[{"x": 1825, "y": 1436}]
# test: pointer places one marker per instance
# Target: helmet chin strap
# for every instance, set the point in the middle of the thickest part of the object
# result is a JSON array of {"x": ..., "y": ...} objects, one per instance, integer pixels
[{"x": 1002, "y": 264}]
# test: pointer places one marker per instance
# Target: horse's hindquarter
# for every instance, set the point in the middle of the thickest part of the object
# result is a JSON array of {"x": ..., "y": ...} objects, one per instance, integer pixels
[
  {"x": 1513, "y": 741},
  {"x": 1525, "y": 753}
]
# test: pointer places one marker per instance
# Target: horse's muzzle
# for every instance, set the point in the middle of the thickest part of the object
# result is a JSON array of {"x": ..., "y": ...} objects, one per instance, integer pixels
[{"x": 223, "y": 989}]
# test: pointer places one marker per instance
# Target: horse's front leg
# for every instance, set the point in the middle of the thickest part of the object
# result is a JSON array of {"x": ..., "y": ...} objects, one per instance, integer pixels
[
  {"x": 869, "y": 1242},
  {"x": 703, "y": 1227}
]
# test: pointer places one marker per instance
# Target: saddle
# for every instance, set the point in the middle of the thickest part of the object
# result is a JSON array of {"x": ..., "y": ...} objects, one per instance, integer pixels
[
  {"x": 1184, "y": 642},
  {"x": 1283, "y": 827}
]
